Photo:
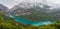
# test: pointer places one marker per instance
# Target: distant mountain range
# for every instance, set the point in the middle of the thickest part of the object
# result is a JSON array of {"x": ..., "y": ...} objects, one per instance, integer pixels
[
  {"x": 36, "y": 12},
  {"x": 29, "y": 8}
]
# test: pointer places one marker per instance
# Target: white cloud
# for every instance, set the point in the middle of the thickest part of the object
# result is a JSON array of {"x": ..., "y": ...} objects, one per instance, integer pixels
[{"x": 11, "y": 3}]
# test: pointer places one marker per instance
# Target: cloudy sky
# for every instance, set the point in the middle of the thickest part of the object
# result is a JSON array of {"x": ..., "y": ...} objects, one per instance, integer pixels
[{"x": 11, "y": 3}]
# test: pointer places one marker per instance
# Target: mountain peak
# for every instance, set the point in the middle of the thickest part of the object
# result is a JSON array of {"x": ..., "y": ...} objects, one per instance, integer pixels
[
  {"x": 3, "y": 7},
  {"x": 1, "y": 4}
]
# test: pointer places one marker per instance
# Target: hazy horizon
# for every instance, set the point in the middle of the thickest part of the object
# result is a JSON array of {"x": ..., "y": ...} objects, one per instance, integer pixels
[{"x": 12, "y": 3}]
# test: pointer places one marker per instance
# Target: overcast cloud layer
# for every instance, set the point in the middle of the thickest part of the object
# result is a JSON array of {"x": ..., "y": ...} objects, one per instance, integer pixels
[{"x": 11, "y": 3}]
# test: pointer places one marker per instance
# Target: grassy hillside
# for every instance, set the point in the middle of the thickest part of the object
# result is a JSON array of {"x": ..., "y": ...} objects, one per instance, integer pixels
[{"x": 9, "y": 23}]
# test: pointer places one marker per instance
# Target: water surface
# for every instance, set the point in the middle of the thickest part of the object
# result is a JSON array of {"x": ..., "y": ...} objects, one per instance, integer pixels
[{"x": 24, "y": 21}]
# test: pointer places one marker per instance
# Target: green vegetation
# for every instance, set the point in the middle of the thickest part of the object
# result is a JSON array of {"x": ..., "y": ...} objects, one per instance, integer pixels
[
  {"x": 39, "y": 17},
  {"x": 10, "y": 23}
]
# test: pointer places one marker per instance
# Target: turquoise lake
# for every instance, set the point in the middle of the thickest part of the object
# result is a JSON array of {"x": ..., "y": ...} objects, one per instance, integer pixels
[{"x": 24, "y": 21}]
